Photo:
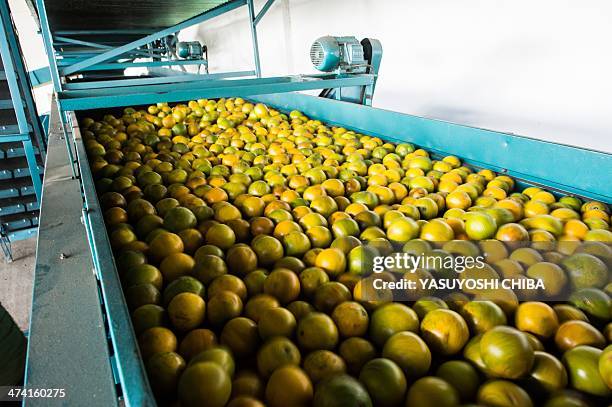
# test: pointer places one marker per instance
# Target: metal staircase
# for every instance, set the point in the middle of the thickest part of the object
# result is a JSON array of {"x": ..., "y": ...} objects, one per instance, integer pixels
[{"x": 22, "y": 143}]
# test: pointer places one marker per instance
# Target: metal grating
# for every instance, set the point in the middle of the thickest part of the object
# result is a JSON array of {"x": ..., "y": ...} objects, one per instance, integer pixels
[{"x": 316, "y": 53}]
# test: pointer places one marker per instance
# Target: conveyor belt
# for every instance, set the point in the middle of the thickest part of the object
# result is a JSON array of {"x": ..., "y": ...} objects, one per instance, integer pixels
[{"x": 119, "y": 14}]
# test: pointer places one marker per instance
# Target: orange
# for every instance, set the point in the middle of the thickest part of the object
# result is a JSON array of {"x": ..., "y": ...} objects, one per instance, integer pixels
[
  {"x": 276, "y": 352},
  {"x": 289, "y": 386},
  {"x": 268, "y": 249},
  {"x": 458, "y": 199},
  {"x": 156, "y": 340},
  {"x": 437, "y": 230},
  {"x": 176, "y": 265},
  {"x": 240, "y": 336},
  {"x": 197, "y": 341},
  {"x": 575, "y": 228},
  {"x": 513, "y": 206},
  {"x": 165, "y": 244},
  {"x": 333, "y": 261},
  {"x": 544, "y": 196},
  {"x": 480, "y": 226},
  {"x": 285, "y": 227},
  {"x": 390, "y": 319},
  {"x": 186, "y": 311},
  {"x": 409, "y": 352},
  {"x": 256, "y": 305},
  {"x": 283, "y": 284},
  {"x": 427, "y": 207},
  {"x": 205, "y": 383},
  {"x": 402, "y": 230},
  {"x": 209, "y": 264},
  {"x": 261, "y": 225},
  {"x": 247, "y": 383},
  {"x": 384, "y": 381},
  {"x": 512, "y": 232},
  {"x": 317, "y": 330},
  {"x": 192, "y": 240},
  {"x": 495, "y": 192},
  {"x": 444, "y": 331},
  {"x": 534, "y": 208},
  {"x": 164, "y": 370},
  {"x": 276, "y": 322},
  {"x": 351, "y": 319},
  {"x": 241, "y": 259},
  {"x": 220, "y": 235},
  {"x": 322, "y": 364}
]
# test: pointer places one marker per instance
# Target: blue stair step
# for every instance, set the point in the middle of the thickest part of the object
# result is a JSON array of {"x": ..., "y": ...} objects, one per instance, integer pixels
[
  {"x": 6, "y": 104},
  {"x": 17, "y": 152},
  {"x": 10, "y": 129},
  {"x": 11, "y": 206},
  {"x": 15, "y": 167},
  {"x": 20, "y": 221},
  {"x": 11, "y": 188}
]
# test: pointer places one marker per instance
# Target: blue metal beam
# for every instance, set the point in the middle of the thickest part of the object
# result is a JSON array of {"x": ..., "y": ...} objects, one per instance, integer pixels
[
  {"x": 316, "y": 81},
  {"x": 220, "y": 75},
  {"x": 48, "y": 41},
  {"x": 40, "y": 76},
  {"x": 81, "y": 42},
  {"x": 207, "y": 15},
  {"x": 154, "y": 81},
  {"x": 263, "y": 11},
  {"x": 124, "y": 65},
  {"x": 114, "y": 97},
  {"x": 253, "y": 28}
]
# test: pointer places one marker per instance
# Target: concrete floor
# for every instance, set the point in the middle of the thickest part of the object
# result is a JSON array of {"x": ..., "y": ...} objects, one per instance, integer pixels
[{"x": 16, "y": 281}]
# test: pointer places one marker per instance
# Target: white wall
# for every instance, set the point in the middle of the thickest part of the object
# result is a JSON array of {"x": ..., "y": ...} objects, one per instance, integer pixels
[
  {"x": 541, "y": 68},
  {"x": 33, "y": 48}
]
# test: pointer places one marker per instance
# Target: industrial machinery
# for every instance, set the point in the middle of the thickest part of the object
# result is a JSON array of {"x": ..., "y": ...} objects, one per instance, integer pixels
[
  {"x": 346, "y": 55},
  {"x": 81, "y": 337}
]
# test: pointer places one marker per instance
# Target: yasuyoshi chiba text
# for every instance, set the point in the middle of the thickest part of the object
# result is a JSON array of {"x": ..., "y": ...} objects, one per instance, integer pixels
[{"x": 459, "y": 284}]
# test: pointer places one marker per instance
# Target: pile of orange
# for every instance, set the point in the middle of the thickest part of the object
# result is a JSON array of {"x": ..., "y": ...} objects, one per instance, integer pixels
[{"x": 241, "y": 236}]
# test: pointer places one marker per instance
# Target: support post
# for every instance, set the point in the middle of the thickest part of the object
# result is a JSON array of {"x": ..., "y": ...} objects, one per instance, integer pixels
[
  {"x": 33, "y": 167},
  {"x": 48, "y": 41},
  {"x": 253, "y": 26}
]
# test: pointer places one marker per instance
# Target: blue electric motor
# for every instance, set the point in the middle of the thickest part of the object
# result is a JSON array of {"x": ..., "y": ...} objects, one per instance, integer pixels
[{"x": 346, "y": 54}]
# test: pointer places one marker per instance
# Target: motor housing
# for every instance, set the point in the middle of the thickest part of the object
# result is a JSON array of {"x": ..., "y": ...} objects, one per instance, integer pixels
[
  {"x": 189, "y": 50},
  {"x": 342, "y": 54}
]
